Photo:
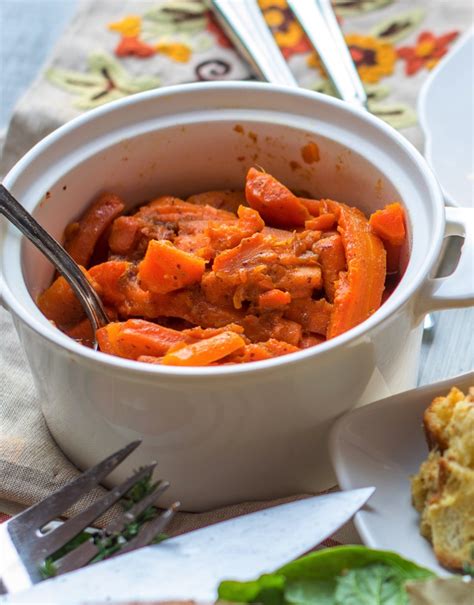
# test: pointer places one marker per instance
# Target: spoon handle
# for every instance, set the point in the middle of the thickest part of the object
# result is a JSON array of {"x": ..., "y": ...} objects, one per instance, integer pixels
[
  {"x": 318, "y": 20},
  {"x": 245, "y": 25},
  {"x": 56, "y": 254}
]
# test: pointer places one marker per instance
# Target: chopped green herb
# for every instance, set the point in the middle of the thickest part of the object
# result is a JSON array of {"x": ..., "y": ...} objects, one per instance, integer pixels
[
  {"x": 110, "y": 544},
  {"x": 345, "y": 575}
]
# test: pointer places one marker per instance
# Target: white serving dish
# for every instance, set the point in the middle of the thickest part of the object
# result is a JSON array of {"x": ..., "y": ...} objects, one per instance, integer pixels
[
  {"x": 446, "y": 112},
  {"x": 244, "y": 432},
  {"x": 383, "y": 444}
]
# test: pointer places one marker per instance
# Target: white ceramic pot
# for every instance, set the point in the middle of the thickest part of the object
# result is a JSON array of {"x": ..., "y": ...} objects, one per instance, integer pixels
[{"x": 250, "y": 431}]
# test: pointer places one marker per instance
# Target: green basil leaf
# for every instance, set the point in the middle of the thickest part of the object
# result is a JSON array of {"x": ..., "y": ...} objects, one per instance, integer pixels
[
  {"x": 308, "y": 592},
  {"x": 268, "y": 590},
  {"x": 371, "y": 585}
]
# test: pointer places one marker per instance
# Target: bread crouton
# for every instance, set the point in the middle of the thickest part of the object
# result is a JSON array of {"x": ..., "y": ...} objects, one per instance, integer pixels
[{"x": 443, "y": 489}]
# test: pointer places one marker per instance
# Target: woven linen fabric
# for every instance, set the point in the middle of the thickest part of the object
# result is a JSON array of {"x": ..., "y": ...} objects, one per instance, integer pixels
[{"x": 112, "y": 49}]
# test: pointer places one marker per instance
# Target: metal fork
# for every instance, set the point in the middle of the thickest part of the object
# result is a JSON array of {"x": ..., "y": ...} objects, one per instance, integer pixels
[{"x": 24, "y": 547}]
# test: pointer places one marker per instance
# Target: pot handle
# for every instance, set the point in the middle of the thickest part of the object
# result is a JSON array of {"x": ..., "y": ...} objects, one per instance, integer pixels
[{"x": 457, "y": 289}]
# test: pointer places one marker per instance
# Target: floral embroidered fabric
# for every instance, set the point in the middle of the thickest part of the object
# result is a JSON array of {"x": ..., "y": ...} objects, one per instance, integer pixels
[{"x": 114, "y": 49}]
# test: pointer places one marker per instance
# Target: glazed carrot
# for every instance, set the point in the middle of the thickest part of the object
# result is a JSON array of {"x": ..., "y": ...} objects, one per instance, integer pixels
[
  {"x": 109, "y": 280},
  {"x": 273, "y": 299},
  {"x": 250, "y": 252},
  {"x": 85, "y": 234},
  {"x": 198, "y": 333},
  {"x": 136, "y": 337},
  {"x": 332, "y": 258},
  {"x": 124, "y": 234},
  {"x": 206, "y": 351},
  {"x": 271, "y": 325},
  {"x": 224, "y": 235},
  {"x": 359, "y": 291},
  {"x": 166, "y": 268},
  {"x": 314, "y": 207},
  {"x": 223, "y": 200},
  {"x": 107, "y": 338},
  {"x": 321, "y": 223},
  {"x": 313, "y": 315},
  {"x": 262, "y": 350},
  {"x": 389, "y": 224},
  {"x": 59, "y": 303},
  {"x": 275, "y": 203},
  {"x": 82, "y": 332},
  {"x": 301, "y": 281}
]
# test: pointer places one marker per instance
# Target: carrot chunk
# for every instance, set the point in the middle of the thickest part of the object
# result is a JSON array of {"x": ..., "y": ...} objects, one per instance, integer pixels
[
  {"x": 359, "y": 291},
  {"x": 166, "y": 268},
  {"x": 224, "y": 235},
  {"x": 206, "y": 351},
  {"x": 136, "y": 337},
  {"x": 313, "y": 315},
  {"x": 321, "y": 223},
  {"x": 389, "y": 224},
  {"x": 85, "y": 234},
  {"x": 275, "y": 203},
  {"x": 109, "y": 280},
  {"x": 332, "y": 258},
  {"x": 59, "y": 303},
  {"x": 273, "y": 299},
  {"x": 124, "y": 234}
]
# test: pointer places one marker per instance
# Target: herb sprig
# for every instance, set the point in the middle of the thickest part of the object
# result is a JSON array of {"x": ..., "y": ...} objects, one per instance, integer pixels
[{"x": 109, "y": 544}]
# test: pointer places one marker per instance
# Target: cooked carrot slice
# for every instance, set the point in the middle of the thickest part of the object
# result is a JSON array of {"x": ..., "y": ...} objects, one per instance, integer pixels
[
  {"x": 275, "y": 203},
  {"x": 313, "y": 315},
  {"x": 124, "y": 234},
  {"x": 332, "y": 258},
  {"x": 224, "y": 235},
  {"x": 314, "y": 207},
  {"x": 222, "y": 200},
  {"x": 82, "y": 332},
  {"x": 199, "y": 333},
  {"x": 389, "y": 224},
  {"x": 206, "y": 351},
  {"x": 273, "y": 299},
  {"x": 271, "y": 325},
  {"x": 359, "y": 291},
  {"x": 136, "y": 337},
  {"x": 83, "y": 238},
  {"x": 166, "y": 268},
  {"x": 262, "y": 350},
  {"x": 107, "y": 338},
  {"x": 59, "y": 303},
  {"x": 109, "y": 280},
  {"x": 321, "y": 223}
]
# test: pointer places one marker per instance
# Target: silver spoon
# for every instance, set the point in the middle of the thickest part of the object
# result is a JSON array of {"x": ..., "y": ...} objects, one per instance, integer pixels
[{"x": 57, "y": 255}]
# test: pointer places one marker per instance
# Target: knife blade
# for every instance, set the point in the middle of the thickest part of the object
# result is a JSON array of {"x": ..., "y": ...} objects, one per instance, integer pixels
[{"x": 192, "y": 565}]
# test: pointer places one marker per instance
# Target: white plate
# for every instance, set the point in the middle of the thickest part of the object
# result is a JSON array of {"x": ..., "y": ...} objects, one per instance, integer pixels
[
  {"x": 446, "y": 112},
  {"x": 382, "y": 444}
]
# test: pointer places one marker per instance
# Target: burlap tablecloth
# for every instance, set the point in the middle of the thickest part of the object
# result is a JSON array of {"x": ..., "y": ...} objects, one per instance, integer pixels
[{"x": 112, "y": 49}]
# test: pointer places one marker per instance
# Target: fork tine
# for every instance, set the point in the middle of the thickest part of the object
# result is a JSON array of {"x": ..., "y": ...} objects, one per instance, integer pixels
[
  {"x": 87, "y": 550},
  {"x": 149, "y": 530},
  {"x": 37, "y": 516},
  {"x": 118, "y": 525},
  {"x": 51, "y": 542}
]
